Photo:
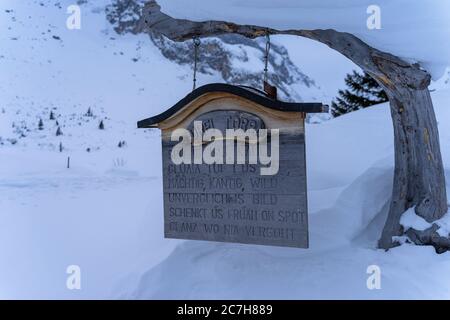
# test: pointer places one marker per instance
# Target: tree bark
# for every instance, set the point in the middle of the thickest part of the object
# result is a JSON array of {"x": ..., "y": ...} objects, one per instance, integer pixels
[{"x": 419, "y": 174}]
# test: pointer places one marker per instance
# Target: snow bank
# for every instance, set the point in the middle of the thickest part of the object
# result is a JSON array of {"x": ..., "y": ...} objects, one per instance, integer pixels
[
  {"x": 105, "y": 214},
  {"x": 444, "y": 225},
  {"x": 414, "y": 30},
  {"x": 410, "y": 220}
]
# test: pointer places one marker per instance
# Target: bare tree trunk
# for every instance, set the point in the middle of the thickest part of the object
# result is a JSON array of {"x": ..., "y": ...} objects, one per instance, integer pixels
[{"x": 419, "y": 175}]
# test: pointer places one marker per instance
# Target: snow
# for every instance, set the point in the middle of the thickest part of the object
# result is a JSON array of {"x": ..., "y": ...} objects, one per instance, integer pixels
[
  {"x": 412, "y": 29},
  {"x": 411, "y": 220},
  {"x": 198, "y": 271},
  {"x": 105, "y": 213},
  {"x": 327, "y": 67},
  {"x": 350, "y": 173},
  {"x": 443, "y": 82}
]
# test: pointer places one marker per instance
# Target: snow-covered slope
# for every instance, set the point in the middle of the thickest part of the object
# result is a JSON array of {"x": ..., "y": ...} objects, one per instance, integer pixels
[{"x": 442, "y": 83}]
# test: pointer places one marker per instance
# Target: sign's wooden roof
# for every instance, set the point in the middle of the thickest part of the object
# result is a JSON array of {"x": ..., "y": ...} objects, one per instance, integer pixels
[{"x": 254, "y": 95}]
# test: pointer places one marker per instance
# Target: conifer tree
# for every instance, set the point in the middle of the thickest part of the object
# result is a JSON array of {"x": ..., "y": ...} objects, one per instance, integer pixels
[
  {"x": 40, "y": 124},
  {"x": 363, "y": 91},
  {"x": 101, "y": 126},
  {"x": 52, "y": 115}
]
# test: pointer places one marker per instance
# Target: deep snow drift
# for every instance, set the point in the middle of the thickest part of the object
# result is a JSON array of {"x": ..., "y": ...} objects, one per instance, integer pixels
[{"x": 105, "y": 212}]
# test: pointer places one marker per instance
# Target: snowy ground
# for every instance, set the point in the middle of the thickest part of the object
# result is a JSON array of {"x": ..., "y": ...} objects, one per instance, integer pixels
[{"x": 104, "y": 214}]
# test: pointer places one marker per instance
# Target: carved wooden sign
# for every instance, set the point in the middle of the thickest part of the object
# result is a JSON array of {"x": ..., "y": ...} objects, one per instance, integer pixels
[{"x": 234, "y": 167}]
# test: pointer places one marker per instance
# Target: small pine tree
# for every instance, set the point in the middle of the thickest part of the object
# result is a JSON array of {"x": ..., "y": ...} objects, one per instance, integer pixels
[
  {"x": 59, "y": 131},
  {"x": 363, "y": 92},
  {"x": 52, "y": 115},
  {"x": 61, "y": 148},
  {"x": 89, "y": 112},
  {"x": 41, "y": 125},
  {"x": 101, "y": 126}
]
